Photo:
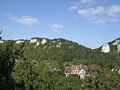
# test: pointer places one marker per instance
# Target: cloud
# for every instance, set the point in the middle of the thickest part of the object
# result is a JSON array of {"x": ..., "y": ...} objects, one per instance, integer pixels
[
  {"x": 86, "y": 1},
  {"x": 27, "y": 20},
  {"x": 91, "y": 11},
  {"x": 101, "y": 14},
  {"x": 114, "y": 10},
  {"x": 56, "y": 27},
  {"x": 73, "y": 8},
  {"x": 76, "y": 5},
  {"x": 93, "y": 14},
  {"x": 97, "y": 12}
]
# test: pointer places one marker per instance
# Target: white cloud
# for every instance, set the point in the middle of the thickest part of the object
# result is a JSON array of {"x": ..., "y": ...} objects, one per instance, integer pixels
[
  {"x": 27, "y": 20},
  {"x": 56, "y": 27},
  {"x": 101, "y": 14},
  {"x": 86, "y": 1},
  {"x": 91, "y": 12},
  {"x": 96, "y": 12},
  {"x": 73, "y": 8},
  {"x": 78, "y": 4},
  {"x": 114, "y": 10}
]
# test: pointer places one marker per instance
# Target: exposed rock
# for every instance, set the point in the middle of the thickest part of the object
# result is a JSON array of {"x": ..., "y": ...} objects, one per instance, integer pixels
[
  {"x": 106, "y": 48},
  {"x": 38, "y": 43},
  {"x": 33, "y": 40},
  {"x": 44, "y": 41},
  {"x": 1, "y": 41},
  {"x": 18, "y": 42},
  {"x": 116, "y": 42},
  {"x": 53, "y": 41},
  {"x": 118, "y": 47},
  {"x": 59, "y": 45}
]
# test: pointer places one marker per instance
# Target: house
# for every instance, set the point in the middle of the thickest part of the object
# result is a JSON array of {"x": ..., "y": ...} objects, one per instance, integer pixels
[
  {"x": 75, "y": 70},
  {"x": 82, "y": 71},
  {"x": 67, "y": 71}
]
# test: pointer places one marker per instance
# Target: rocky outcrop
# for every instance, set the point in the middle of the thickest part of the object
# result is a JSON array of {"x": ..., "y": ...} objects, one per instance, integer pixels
[
  {"x": 33, "y": 40},
  {"x": 1, "y": 41},
  {"x": 38, "y": 43},
  {"x": 44, "y": 41},
  {"x": 105, "y": 48},
  {"x": 19, "y": 41},
  {"x": 117, "y": 43},
  {"x": 118, "y": 47},
  {"x": 59, "y": 45}
]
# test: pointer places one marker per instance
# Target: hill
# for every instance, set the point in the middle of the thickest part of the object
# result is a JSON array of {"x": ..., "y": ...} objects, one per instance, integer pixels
[{"x": 38, "y": 64}]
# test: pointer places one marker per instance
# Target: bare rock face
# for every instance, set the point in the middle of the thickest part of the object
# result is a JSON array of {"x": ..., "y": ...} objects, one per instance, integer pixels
[
  {"x": 117, "y": 43},
  {"x": 33, "y": 40},
  {"x": 59, "y": 45},
  {"x": 44, "y": 41},
  {"x": 38, "y": 43},
  {"x": 118, "y": 47},
  {"x": 19, "y": 41},
  {"x": 1, "y": 41},
  {"x": 106, "y": 48}
]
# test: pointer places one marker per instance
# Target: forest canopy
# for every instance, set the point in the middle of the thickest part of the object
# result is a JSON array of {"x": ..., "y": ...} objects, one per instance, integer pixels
[{"x": 39, "y": 65}]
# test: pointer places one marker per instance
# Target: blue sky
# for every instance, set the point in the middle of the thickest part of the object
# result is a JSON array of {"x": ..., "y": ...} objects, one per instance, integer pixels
[{"x": 88, "y": 22}]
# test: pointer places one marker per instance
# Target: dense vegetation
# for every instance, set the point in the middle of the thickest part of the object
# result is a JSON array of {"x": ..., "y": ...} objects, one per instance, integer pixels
[{"x": 25, "y": 66}]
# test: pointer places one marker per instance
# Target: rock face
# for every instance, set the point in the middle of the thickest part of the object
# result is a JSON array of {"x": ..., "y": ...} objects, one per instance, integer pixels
[
  {"x": 1, "y": 41},
  {"x": 33, "y": 40},
  {"x": 118, "y": 47},
  {"x": 59, "y": 45},
  {"x": 117, "y": 43},
  {"x": 44, "y": 41},
  {"x": 18, "y": 42},
  {"x": 38, "y": 43},
  {"x": 106, "y": 48}
]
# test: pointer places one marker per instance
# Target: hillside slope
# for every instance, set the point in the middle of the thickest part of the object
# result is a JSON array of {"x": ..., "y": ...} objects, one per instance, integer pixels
[{"x": 38, "y": 64}]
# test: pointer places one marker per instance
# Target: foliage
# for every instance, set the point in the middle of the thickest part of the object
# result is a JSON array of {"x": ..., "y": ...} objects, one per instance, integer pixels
[{"x": 26, "y": 66}]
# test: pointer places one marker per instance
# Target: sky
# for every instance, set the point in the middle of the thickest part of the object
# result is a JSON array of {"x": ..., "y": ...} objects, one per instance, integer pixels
[{"x": 87, "y": 22}]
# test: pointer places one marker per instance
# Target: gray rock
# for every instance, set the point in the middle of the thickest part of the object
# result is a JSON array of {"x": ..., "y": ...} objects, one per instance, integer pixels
[{"x": 105, "y": 48}]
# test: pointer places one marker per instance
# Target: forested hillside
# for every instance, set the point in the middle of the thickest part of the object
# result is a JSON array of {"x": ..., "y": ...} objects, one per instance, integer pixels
[{"x": 38, "y": 64}]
